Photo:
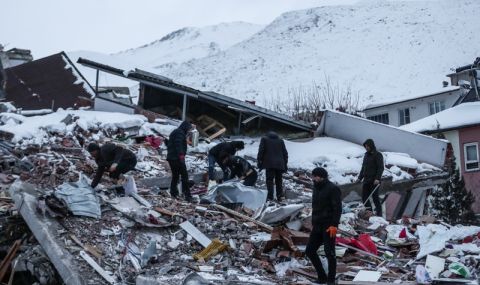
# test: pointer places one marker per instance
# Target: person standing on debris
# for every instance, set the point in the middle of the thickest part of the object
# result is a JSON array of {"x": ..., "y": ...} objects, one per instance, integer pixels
[
  {"x": 176, "y": 151},
  {"x": 326, "y": 212},
  {"x": 273, "y": 157},
  {"x": 371, "y": 174},
  {"x": 116, "y": 159},
  {"x": 241, "y": 168},
  {"x": 218, "y": 153}
]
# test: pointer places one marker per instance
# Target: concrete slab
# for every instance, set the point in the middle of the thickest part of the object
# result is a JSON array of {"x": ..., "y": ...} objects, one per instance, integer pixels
[{"x": 43, "y": 228}]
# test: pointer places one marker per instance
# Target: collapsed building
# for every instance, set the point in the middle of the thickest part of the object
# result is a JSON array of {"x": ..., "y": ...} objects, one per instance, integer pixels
[{"x": 230, "y": 235}]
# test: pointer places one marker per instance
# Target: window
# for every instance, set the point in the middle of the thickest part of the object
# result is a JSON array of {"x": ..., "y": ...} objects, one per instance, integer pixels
[
  {"x": 404, "y": 116},
  {"x": 470, "y": 155},
  {"x": 382, "y": 118},
  {"x": 436, "y": 107}
]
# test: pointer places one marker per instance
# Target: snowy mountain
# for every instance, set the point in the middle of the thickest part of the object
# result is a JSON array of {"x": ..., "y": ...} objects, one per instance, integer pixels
[
  {"x": 190, "y": 43},
  {"x": 175, "y": 48},
  {"x": 380, "y": 49}
]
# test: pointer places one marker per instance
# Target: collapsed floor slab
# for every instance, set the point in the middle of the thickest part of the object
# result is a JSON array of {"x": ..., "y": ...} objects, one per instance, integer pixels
[{"x": 43, "y": 229}]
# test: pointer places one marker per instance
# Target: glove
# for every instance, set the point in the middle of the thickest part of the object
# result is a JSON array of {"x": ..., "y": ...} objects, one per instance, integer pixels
[
  {"x": 332, "y": 231},
  {"x": 182, "y": 157}
]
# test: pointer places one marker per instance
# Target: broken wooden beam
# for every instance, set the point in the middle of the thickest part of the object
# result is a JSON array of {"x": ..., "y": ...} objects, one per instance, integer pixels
[
  {"x": 242, "y": 216},
  {"x": 109, "y": 278},
  {"x": 8, "y": 259}
]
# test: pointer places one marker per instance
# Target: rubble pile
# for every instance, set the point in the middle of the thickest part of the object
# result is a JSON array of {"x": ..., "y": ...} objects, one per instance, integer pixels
[{"x": 138, "y": 234}]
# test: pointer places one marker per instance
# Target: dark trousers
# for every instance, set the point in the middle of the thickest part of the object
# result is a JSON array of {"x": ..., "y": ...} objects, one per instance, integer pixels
[
  {"x": 124, "y": 166},
  {"x": 211, "y": 168},
  {"x": 319, "y": 236},
  {"x": 251, "y": 179},
  {"x": 367, "y": 189},
  {"x": 178, "y": 169},
  {"x": 274, "y": 174}
]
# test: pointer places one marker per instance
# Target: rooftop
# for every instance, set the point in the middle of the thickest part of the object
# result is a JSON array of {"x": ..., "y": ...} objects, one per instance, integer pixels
[
  {"x": 463, "y": 115},
  {"x": 410, "y": 98}
]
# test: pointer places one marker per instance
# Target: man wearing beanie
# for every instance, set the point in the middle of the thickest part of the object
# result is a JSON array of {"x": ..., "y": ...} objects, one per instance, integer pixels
[
  {"x": 116, "y": 159},
  {"x": 327, "y": 209}
]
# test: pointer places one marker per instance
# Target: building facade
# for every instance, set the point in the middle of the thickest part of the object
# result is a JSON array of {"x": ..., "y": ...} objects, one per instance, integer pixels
[
  {"x": 405, "y": 111},
  {"x": 459, "y": 125}
]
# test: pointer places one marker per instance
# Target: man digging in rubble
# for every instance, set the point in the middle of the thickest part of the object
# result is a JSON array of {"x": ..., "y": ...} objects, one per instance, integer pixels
[
  {"x": 176, "y": 151},
  {"x": 371, "y": 173},
  {"x": 242, "y": 169},
  {"x": 116, "y": 159},
  {"x": 326, "y": 212},
  {"x": 273, "y": 157},
  {"x": 218, "y": 153}
]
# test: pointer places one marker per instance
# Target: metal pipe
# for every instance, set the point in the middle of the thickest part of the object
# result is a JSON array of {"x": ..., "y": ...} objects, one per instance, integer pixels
[{"x": 184, "y": 110}]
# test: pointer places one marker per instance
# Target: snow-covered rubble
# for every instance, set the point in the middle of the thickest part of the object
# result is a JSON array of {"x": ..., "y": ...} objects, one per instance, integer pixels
[
  {"x": 65, "y": 121},
  {"x": 342, "y": 159}
]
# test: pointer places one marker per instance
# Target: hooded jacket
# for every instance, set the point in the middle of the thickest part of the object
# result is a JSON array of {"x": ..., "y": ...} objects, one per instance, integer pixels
[
  {"x": 239, "y": 167},
  {"x": 326, "y": 204},
  {"x": 372, "y": 166},
  {"x": 272, "y": 153},
  {"x": 109, "y": 154},
  {"x": 177, "y": 142},
  {"x": 224, "y": 149}
]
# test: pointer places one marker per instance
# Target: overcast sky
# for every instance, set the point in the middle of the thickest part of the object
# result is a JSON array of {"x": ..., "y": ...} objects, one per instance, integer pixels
[{"x": 49, "y": 26}]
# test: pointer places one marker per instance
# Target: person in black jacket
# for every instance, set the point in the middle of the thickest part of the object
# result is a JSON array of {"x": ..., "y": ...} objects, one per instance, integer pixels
[
  {"x": 218, "y": 153},
  {"x": 116, "y": 159},
  {"x": 241, "y": 168},
  {"x": 327, "y": 209},
  {"x": 273, "y": 157},
  {"x": 176, "y": 150},
  {"x": 371, "y": 174}
]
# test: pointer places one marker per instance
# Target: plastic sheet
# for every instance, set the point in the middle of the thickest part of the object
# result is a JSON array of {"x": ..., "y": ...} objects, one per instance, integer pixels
[
  {"x": 236, "y": 192},
  {"x": 80, "y": 198}
]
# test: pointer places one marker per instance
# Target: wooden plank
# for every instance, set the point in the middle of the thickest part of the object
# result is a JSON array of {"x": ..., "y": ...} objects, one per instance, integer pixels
[
  {"x": 305, "y": 273},
  {"x": 247, "y": 218},
  {"x": 360, "y": 251},
  {"x": 8, "y": 258},
  {"x": 209, "y": 126},
  {"x": 109, "y": 278},
  {"x": 88, "y": 248},
  {"x": 165, "y": 211},
  {"x": 219, "y": 133}
]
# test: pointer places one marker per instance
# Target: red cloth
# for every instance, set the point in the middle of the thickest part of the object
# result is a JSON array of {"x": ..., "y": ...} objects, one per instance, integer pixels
[
  {"x": 468, "y": 239},
  {"x": 155, "y": 142},
  {"x": 363, "y": 242},
  {"x": 403, "y": 233}
]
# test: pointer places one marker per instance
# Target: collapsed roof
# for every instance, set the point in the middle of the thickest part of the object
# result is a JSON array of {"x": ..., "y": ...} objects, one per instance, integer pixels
[
  {"x": 170, "y": 88},
  {"x": 51, "y": 82}
]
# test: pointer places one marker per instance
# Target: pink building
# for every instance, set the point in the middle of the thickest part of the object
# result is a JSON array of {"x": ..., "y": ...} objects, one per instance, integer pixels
[{"x": 460, "y": 125}]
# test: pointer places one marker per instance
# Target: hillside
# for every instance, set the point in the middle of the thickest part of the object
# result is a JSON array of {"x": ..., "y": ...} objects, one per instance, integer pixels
[
  {"x": 380, "y": 49},
  {"x": 190, "y": 43},
  {"x": 172, "y": 49}
]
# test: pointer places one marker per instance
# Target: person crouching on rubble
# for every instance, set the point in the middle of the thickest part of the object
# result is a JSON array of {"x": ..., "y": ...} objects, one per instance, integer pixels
[
  {"x": 116, "y": 159},
  {"x": 371, "y": 174},
  {"x": 326, "y": 212},
  {"x": 242, "y": 169},
  {"x": 176, "y": 151},
  {"x": 218, "y": 153}
]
